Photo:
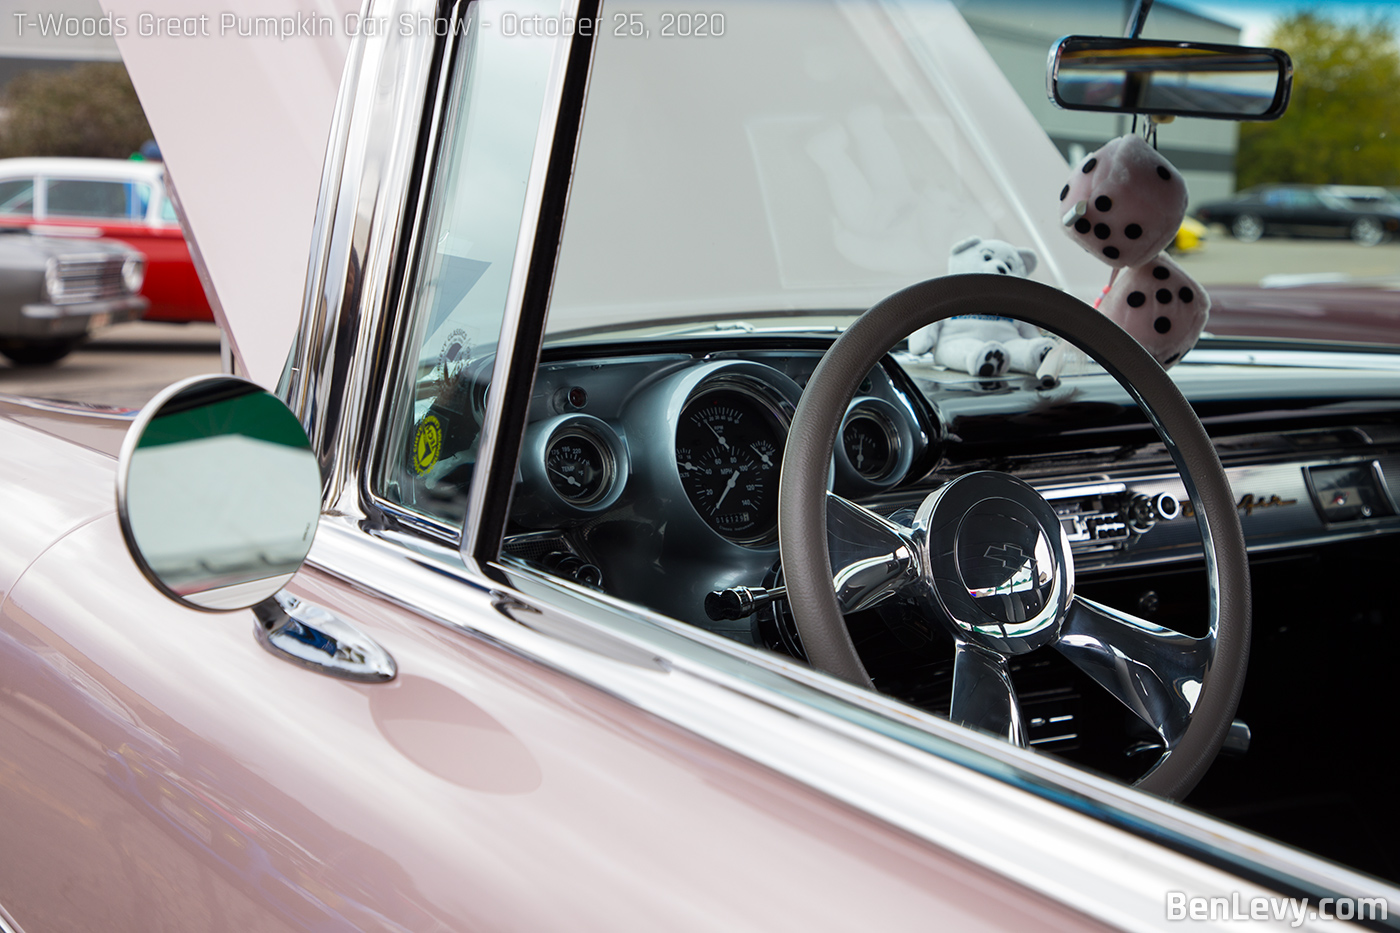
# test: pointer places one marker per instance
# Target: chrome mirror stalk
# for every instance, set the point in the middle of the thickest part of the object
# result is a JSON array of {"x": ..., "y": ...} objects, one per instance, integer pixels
[{"x": 317, "y": 639}]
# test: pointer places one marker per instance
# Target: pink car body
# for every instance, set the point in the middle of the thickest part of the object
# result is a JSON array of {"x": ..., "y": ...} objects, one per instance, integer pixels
[{"x": 545, "y": 758}]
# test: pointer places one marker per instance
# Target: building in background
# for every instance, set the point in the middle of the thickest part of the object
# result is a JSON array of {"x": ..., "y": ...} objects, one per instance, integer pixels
[
  {"x": 27, "y": 48},
  {"x": 1019, "y": 34}
]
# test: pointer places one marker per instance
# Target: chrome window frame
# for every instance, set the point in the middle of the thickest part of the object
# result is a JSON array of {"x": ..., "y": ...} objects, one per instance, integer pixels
[{"x": 846, "y": 740}]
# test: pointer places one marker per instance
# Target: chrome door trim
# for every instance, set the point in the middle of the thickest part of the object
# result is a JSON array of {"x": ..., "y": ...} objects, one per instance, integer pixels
[
  {"x": 527, "y": 295},
  {"x": 1102, "y": 847},
  {"x": 365, "y": 188}
]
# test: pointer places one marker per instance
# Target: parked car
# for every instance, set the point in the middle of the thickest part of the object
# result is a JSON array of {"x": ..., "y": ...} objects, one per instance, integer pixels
[
  {"x": 55, "y": 292},
  {"x": 124, "y": 200},
  {"x": 1191, "y": 236},
  {"x": 651, "y": 586},
  {"x": 1306, "y": 210}
]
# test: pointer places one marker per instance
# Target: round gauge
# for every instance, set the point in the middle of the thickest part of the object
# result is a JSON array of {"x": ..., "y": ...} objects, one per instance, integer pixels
[
  {"x": 876, "y": 446},
  {"x": 870, "y": 445},
  {"x": 729, "y": 443},
  {"x": 572, "y": 466},
  {"x": 578, "y": 468}
]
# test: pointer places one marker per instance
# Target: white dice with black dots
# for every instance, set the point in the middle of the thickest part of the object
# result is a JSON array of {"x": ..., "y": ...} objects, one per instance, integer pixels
[
  {"x": 1162, "y": 307},
  {"x": 1124, "y": 202}
]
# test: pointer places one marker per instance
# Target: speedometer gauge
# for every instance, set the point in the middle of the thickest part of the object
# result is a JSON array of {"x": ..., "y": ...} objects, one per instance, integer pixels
[{"x": 729, "y": 443}]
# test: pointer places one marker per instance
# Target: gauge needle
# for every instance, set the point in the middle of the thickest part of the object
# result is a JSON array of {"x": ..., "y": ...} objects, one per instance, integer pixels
[
  {"x": 767, "y": 461},
  {"x": 565, "y": 475},
  {"x": 733, "y": 481},
  {"x": 722, "y": 442}
]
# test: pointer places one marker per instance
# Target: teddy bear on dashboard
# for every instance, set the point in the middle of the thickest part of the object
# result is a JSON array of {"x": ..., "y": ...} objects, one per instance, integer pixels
[{"x": 984, "y": 344}]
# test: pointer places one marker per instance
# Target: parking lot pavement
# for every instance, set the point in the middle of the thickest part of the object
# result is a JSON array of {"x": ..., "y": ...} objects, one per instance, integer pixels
[{"x": 123, "y": 366}]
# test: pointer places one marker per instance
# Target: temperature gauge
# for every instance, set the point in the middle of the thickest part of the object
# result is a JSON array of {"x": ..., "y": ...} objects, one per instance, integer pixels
[
  {"x": 572, "y": 466},
  {"x": 578, "y": 467}
]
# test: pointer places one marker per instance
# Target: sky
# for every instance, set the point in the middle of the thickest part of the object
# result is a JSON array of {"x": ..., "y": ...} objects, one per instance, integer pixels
[{"x": 1256, "y": 17}]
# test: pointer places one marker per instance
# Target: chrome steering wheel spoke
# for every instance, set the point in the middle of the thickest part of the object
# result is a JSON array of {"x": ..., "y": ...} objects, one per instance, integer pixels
[
  {"x": 1154, "y": 671},
  {"x": 872, "y": 558},
  {"x": 983, "y": 697}
]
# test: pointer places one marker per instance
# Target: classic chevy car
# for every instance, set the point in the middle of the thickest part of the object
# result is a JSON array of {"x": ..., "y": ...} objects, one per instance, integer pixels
[{"x": 653, "y": 585}]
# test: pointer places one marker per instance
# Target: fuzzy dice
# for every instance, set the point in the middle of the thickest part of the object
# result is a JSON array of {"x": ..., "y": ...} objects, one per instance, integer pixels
[
  {"x": 1162, "y": 307},
  {"x": 1124, "y": 202}
]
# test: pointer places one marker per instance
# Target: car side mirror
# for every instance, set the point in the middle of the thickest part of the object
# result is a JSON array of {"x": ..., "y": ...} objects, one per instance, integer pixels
[
  {"x": 218, "y": 493},
  {"x": 1189, "y": 79}
]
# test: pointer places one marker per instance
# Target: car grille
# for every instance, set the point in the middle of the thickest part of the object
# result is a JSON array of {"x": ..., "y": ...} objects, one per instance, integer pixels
[{"x": 90, "y": 278}]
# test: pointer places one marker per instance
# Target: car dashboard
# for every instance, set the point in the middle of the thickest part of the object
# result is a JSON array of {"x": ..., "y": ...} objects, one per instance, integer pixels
[{"x": 650, "y": 471}]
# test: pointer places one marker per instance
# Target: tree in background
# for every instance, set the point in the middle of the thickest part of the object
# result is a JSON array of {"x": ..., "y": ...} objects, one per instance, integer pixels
[
  {"x": 1343, "y": 123},
  {"x": 87, "y": 110}
]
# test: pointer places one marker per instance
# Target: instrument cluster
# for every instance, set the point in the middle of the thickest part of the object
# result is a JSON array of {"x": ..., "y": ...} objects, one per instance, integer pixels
[{"x": 701, "y": 440}]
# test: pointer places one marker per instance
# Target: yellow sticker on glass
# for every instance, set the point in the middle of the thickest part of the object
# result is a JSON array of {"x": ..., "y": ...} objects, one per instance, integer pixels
[{"x": 427, "y": 444}]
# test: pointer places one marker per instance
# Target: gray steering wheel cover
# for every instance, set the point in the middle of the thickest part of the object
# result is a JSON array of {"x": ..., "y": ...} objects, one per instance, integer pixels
[{"x": 806, "y": 458}]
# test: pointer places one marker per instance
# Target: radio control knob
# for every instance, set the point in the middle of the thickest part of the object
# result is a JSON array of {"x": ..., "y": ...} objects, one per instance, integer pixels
[
  {"x": 1166, "y": 506},
  {"x": 1142, "y": 515}
]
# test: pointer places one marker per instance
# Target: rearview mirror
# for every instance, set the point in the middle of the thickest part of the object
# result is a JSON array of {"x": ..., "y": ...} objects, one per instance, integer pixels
[
  {"x": 1190, "y": 79},
  {"x": 218, "y": 493}
]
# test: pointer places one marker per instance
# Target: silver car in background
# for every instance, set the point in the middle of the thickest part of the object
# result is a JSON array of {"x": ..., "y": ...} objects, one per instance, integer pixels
[{"x": 55, "y": 292}]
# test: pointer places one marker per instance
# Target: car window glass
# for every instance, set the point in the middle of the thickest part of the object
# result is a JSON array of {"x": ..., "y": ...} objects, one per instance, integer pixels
[
  {"x": 17, "y": 197},
  {"x": 71, "y": 197},
  {"x": 464, "y": 267},
  {"x": 167, "y": 212},
  {"x": 138, "y": 200}
]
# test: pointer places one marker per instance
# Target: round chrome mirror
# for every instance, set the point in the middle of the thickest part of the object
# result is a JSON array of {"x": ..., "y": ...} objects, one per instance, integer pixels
[{"x": 218, "y": 493}]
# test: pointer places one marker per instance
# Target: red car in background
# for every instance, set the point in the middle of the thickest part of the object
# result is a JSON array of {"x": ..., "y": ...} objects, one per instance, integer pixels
[{"x": 115, "y": 198}]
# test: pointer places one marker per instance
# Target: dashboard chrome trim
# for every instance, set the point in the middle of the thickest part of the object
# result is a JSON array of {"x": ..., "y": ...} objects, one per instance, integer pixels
[{"x": 1275, "y": 504}]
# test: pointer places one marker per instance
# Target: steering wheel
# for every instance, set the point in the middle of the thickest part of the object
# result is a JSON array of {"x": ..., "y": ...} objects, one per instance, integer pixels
[{"x": 987, "y": 556}]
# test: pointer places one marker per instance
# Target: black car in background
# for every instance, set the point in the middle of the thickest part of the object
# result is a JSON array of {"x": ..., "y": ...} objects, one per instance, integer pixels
[{"x": 1367, "y": 215}]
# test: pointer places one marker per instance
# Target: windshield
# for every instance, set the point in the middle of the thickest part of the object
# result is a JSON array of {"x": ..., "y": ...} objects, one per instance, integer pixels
[{"x": 749, "y": 164}]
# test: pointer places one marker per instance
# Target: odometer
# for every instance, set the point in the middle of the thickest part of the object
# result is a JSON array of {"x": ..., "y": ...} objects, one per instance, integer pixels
[{"x": 729, "y": 442}]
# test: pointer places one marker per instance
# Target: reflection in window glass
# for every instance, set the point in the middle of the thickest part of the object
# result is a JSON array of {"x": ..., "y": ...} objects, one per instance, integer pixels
[
  {"x": 464, "y": 267},
  {"x": 17, "y": 197}
]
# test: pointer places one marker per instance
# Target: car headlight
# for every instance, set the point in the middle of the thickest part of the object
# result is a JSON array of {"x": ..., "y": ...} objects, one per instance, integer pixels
[
  {"x": 53, "y": 281},
  {"x": 134, "y": 273}
]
